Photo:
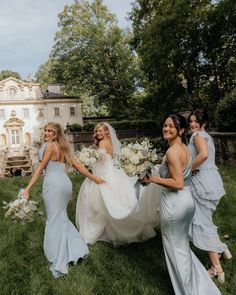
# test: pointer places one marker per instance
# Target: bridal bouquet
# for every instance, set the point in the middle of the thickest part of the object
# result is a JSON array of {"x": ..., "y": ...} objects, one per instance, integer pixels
[
  {"x": 138, "y": 159},
  {"x": 21, "y": 209},
  {"x": 88, "y": 156}
]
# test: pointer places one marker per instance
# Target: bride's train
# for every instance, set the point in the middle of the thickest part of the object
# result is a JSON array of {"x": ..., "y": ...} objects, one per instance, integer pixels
[{"x": 117, "y": 211}]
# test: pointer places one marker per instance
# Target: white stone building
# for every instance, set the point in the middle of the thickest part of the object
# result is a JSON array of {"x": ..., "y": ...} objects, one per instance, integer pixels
[{"x": 25, "y": 109}]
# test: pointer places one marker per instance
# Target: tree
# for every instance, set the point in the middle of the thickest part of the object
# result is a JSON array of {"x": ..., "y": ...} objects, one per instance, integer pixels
[
  {"x": 8, "y": 73},
  {"x": 187, "y": 50},
  {"x": 93, "y": 56},
  {"x": 44, "y": 75}
]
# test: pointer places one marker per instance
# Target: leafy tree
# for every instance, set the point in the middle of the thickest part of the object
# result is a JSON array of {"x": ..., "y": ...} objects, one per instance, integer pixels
[
  {"x": 94, "y": 56},
  {"x": 187, "y": 50},
  {"x": 8, "y": 73},
  {"x": 44, "y": 75},
  {"x": 225, "y": 112}
]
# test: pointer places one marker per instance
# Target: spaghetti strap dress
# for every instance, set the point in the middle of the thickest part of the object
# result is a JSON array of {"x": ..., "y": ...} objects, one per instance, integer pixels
[{"x": 63, "y": 243}]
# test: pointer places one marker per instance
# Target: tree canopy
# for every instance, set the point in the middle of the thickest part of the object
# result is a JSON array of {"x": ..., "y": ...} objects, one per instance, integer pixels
[
  {"x": 187, "y": 50},
  {"x": 92, "y": 55},
  {"x": 180, "y": 55},
  {"x": 4, "y": 74}
]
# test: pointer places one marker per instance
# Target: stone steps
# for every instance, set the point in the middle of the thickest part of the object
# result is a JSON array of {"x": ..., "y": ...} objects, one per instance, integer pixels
[{"x": 18, "y": 165}]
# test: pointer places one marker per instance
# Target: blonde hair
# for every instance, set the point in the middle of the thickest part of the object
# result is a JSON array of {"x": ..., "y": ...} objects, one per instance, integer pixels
[
  {"x": 60, "y": 138},
  {"x": 104, "y": 126}
]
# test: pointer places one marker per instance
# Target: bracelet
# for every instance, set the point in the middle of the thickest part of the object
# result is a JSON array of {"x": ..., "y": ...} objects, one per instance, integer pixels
[{"x": 194, "y": 172}]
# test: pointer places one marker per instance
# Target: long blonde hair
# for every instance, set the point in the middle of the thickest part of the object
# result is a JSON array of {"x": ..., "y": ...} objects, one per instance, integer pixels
[
  {"x": 60, "y": 138},
  {"x": 104, "y": 126}
]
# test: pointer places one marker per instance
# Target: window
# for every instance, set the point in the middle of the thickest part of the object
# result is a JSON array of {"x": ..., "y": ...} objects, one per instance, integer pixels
[
  {"x": 56, "y": 112},
  {"x": 15, "y": 137},
  {"x": 40, "y": 113},
  {"x": 72, "y": 111},
  {"x": 12, "y": 91},
  {"x": 2, "y": 114},
  {"x": 26, "y": 113}
]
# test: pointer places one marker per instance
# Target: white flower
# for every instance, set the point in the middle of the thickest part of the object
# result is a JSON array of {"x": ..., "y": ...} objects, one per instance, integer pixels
[
  {"x": 88, "y": 156},
  {"x": 20, "y": 209},
  {"x": 134, "y": 159},
  {"x": 137, "y": 158}
]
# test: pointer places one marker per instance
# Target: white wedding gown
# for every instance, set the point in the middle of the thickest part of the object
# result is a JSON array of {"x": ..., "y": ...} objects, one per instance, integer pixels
[{"x": 115, "y": 211}]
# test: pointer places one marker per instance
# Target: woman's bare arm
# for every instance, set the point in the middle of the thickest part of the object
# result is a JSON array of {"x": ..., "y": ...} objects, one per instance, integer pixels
[
  {"x": 201, "y": 146},
  {"x": 176, "y": 180},
  {"x": 78, "y": 166},
  {"x": 41, "y": 165}
]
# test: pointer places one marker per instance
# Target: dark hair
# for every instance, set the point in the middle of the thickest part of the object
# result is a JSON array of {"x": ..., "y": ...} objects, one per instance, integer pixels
[
  {"x": 179, "y": 123},
  {"x": 201, "y": 117}
]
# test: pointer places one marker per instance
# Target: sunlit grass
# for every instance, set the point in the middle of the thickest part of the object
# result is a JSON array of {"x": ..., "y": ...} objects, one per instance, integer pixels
[{"x": 133, "y": 269}]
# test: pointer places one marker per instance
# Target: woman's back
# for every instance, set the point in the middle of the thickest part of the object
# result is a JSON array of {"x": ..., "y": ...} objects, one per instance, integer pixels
[{"x": 209, "y": 163}]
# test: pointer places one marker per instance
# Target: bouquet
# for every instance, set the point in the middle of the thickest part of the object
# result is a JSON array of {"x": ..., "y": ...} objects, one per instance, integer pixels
[
  {"x": 21, "y": 209},
  {"x": 88, "y": 156},
  {"x": 138, "y": 159}
]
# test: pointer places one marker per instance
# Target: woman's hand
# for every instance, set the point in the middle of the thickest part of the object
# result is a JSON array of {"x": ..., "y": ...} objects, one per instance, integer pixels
[
  {"x": 98, "y": 180},
  {"x": 147, "y": 179},
  {"x": 25, "y": 194}
]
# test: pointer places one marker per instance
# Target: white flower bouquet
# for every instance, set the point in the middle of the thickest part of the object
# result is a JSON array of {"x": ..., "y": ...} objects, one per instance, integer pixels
[
  {"x": 21, "y": 209},
  {"x": 138, "y": 159},
  {"x": 88, "y": 156}
]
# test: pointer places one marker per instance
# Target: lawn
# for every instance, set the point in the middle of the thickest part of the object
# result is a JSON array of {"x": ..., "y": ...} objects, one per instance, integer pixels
[{"x": 133, "y": 269}]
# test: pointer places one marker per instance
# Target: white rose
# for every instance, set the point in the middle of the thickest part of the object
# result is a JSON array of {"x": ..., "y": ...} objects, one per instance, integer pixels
[{"x": 134, "y": 159}]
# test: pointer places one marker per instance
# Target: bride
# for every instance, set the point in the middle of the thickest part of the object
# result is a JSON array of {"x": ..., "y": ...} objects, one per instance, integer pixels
[{"x": 111, "y": 211}]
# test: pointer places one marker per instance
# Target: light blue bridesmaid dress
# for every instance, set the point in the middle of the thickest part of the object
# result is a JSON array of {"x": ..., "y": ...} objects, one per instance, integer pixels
[
  {"x": 63, "y": 243},
  {"x": 188, "y": 275},
  {"x": 207, "y": 189}
]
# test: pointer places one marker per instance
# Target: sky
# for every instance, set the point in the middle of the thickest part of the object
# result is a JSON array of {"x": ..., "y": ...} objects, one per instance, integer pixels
[{"x": 27, "y": 30}]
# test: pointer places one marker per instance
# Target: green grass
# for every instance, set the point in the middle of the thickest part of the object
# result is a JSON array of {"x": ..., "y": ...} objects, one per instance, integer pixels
[{"x": 133, "y": 269}]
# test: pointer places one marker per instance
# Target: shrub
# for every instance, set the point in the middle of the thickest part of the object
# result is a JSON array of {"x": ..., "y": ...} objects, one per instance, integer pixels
[
  {"x": 89, "y": 126},
  {"x": 75, "y": 128},
  {"x": 225, "y": 112},
  {"x": 135, "y": 124}
]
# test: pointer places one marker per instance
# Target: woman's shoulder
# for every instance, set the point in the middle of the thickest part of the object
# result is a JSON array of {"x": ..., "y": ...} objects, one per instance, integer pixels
[
  {"x": 50, "y": 145},
  {"x": 104, "y": 143},
  {"x": 174, "y": 151},
  {"x": 47, "y": 146},
  {"x": 197, "y": 134}
]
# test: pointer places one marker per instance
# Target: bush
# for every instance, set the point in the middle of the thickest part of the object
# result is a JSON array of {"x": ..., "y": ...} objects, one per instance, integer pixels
[
  {"x": 75, "y": 128},
  {"x": 225, "y": 112},
  {"x": 135, "y": 124},
  {"x": 127, "y": 125},
  {"x": 89, "y": 126}
]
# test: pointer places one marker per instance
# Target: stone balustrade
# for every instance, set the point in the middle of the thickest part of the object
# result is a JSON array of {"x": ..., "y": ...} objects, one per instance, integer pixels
[{"x": 225, "y": 142}]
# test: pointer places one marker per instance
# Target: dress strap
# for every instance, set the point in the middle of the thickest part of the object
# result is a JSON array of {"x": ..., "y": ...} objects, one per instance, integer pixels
[{"x": 58, "y": 153}]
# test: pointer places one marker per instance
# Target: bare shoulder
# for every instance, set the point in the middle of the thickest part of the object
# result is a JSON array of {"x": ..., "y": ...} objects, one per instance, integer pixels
[
  {"x": 174, "y": 153},
  {"x": 104, "y": 143},
  {"x": 50, "y": 147},
  {"x": 176, "y": 148}
]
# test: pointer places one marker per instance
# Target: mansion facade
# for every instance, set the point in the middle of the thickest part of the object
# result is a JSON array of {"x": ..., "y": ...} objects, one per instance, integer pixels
[{"x": 25, "y": 109}]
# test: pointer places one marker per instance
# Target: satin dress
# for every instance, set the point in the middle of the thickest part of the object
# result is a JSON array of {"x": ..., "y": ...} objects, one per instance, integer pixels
[
  {"x": 188, "y": 275},
  {"x": 63, "y": 243}
]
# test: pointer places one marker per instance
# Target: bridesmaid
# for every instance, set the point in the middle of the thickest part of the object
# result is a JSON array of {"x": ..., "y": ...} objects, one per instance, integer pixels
[
  {"x": 63, "y": 243},
  {"x": 188, "y": 276},
  {"x": 207, "y": 189}
]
